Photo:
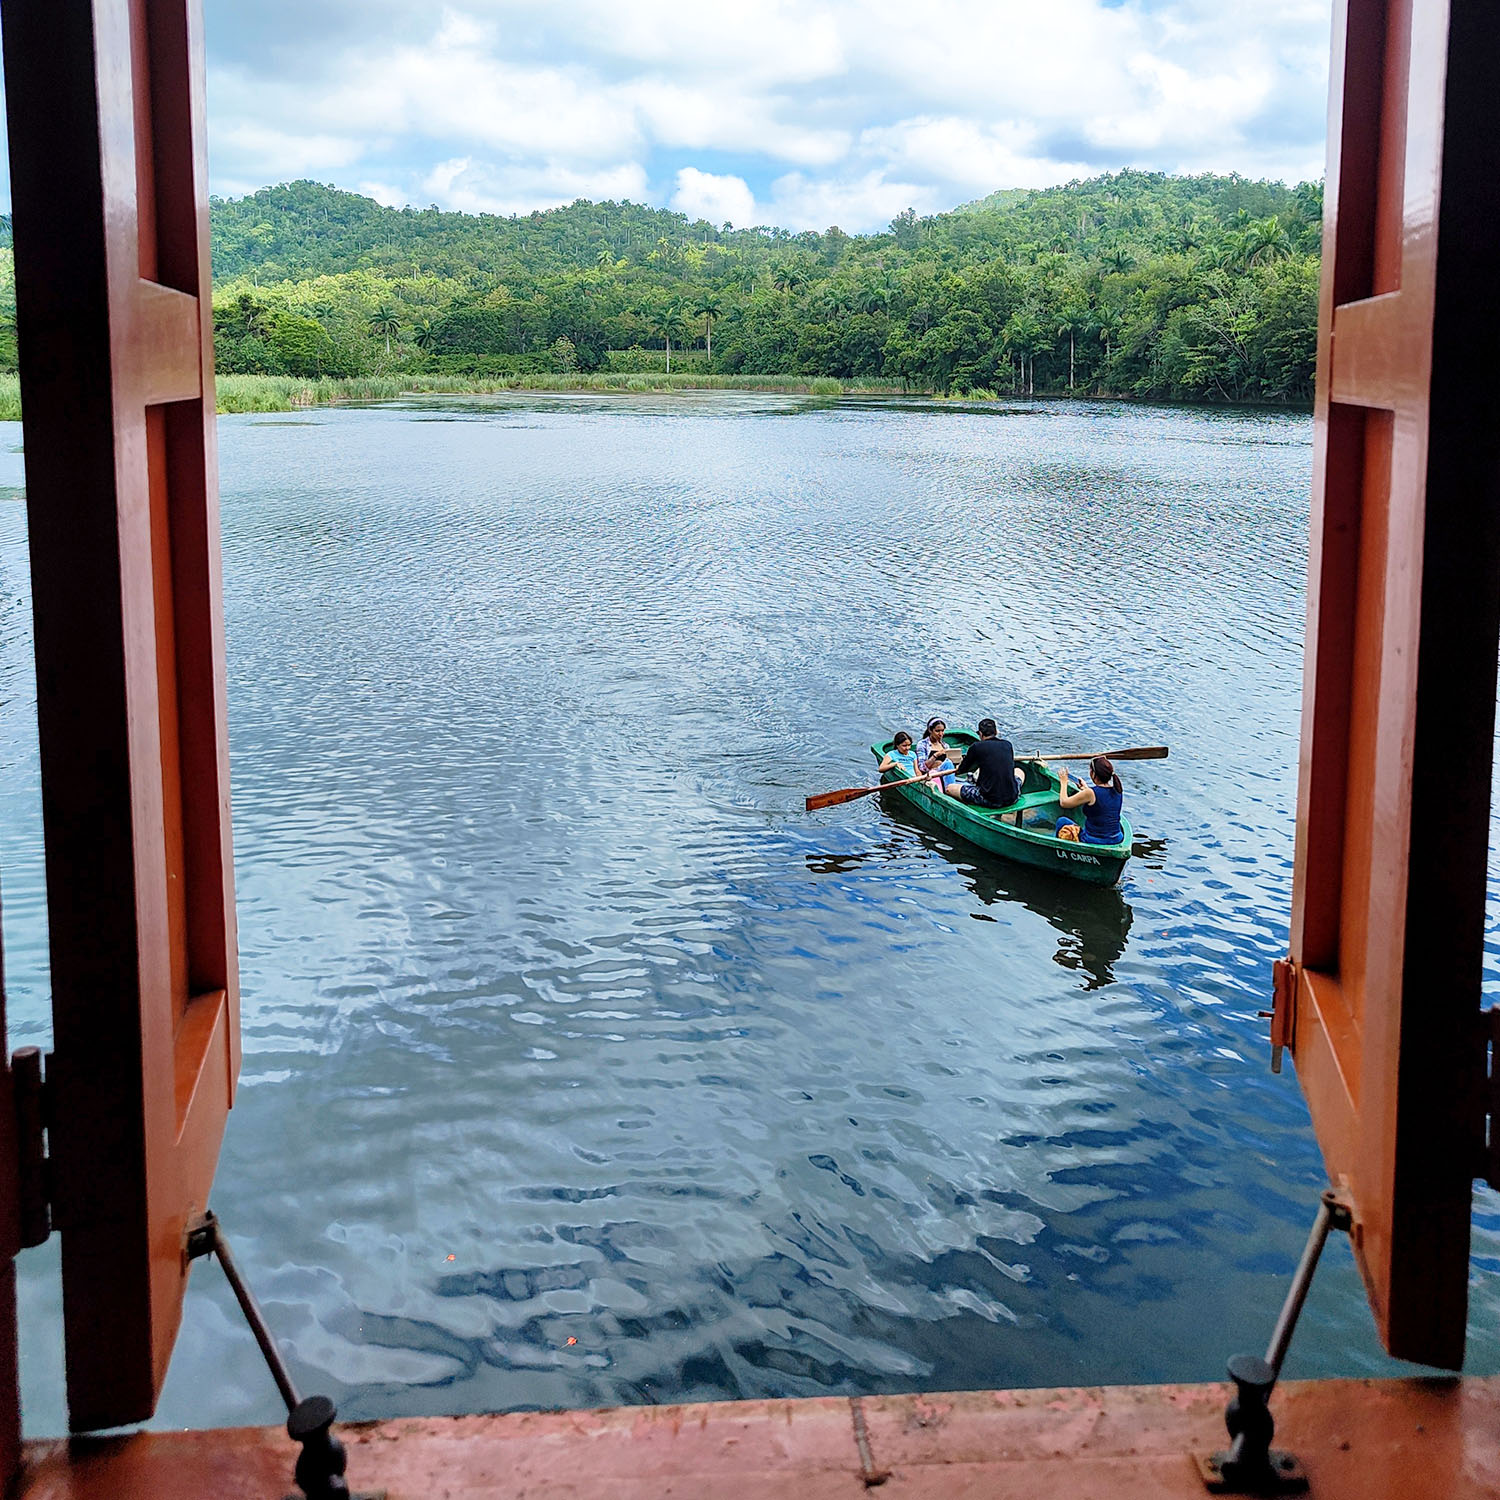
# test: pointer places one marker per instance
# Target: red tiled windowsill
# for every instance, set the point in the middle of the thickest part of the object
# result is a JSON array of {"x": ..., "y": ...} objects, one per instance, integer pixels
[{"x": 1358, "y": 1440}]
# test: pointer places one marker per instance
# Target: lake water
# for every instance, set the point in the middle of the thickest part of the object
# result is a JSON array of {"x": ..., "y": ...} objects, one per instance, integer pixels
[{"x": 581, "y": 1064}]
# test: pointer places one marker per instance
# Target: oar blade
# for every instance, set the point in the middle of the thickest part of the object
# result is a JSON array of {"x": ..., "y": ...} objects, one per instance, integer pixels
[
  {"x": 1138, "y": 752},
  {"x": 838, "y": 798}
]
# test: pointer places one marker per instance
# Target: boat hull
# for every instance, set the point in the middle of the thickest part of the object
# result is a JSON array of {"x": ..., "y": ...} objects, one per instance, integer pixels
[{"x": 1037, "y": 847}]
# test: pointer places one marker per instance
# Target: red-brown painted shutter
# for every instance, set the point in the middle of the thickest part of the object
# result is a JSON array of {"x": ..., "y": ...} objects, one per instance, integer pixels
[
  {"x": 1380, "y": 1000},
  {"x": 109, "y": 172},
  {"x": 10, "y": 1244}
]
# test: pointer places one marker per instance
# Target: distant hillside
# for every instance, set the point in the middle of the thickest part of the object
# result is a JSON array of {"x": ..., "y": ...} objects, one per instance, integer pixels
[
  {"x": 1211, "y": 197},
  {"x": 1133, "y": 283},
  {"x": 304, "y": 229}
]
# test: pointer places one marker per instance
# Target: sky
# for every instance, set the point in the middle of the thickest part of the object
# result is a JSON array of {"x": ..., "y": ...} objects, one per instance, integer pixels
[{"x": 787, "y": 112}]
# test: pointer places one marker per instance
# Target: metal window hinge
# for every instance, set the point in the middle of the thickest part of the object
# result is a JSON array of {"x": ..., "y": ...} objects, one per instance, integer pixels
[
  {"x": 1489, "y": 1042},
  {"x": 1284, "y": 1012},
  {"x": 33, "y": 1170}
]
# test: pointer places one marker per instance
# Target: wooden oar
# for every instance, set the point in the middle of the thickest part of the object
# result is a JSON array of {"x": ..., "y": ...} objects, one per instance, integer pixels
[
  {"x": 853, "y": 793},
  {"x": 1141, "y": 752}
]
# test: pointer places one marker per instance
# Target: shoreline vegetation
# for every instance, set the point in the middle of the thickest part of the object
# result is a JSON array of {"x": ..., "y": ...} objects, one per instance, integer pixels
[{"x": 268, "y": 393}]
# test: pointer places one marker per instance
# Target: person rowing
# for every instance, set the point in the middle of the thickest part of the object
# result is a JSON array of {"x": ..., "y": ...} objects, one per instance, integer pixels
[
  {"x": 992, "y": 761},
  {"x": 1101, "y": 802}
]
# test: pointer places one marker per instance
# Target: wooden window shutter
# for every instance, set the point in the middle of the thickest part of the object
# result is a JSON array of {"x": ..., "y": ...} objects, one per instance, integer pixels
[
  {"x": 1379, "y": 1001},
  {"x": 105, "y": 108}
]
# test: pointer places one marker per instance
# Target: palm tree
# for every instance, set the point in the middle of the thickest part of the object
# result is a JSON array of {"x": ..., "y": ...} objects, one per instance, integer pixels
[
  {"x": 669, "y": 320},
  {"x": 384, "y": 320},
  {"x": 1191, "y": 233},
  {"x": 1119, "y": 259},
  {"x": 1221, "y": 254},
  {"x": 254, "y": 315},
  {"x": 425, "y": 335},
  {"x": 788, "y": 276},
  {"x": 842, "y": 300},
  {"x": 708, "y": 307},
  {"x": 673, "y": 325},
  {"x": 824, "y": 304},
  {"x": 1264, "y": 240},
  {"x": 1023, "y": 336},
  {"x": 1107, "y": 322},
  {"x": 1069, "y": 321}
]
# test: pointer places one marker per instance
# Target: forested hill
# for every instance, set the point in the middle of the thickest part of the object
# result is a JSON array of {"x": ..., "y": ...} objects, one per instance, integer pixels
[
  {"x": 303, "y": 229},
  {"x": 1136, "y": 283}
]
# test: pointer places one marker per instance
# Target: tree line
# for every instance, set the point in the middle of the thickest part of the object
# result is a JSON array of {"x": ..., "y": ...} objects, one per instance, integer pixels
[{"x": 1185, "y": 288}]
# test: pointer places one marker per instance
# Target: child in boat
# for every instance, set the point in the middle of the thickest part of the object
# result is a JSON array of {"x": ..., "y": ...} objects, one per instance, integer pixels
[
  {"x": 1101, "y": 802},
  {"x": 900, "y": 757}
]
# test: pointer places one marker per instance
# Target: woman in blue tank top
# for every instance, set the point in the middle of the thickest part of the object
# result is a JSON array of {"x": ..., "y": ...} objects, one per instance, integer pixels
[{"x": 1100, "y": 802}]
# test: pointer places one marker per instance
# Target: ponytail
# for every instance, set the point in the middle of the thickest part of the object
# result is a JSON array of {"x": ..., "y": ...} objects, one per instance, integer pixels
[{"x": 1102, "y": 769}]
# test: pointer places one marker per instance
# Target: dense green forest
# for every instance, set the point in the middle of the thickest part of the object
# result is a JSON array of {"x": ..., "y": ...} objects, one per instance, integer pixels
[{"x": 1185, "y": 288}]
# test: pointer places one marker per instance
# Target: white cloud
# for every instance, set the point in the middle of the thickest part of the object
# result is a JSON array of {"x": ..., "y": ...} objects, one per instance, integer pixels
[
  {"x": 968, "y": 153},
  {"x": 383, "y": 192},
  {"x": 705, "y": 119},
  {"x": 719, "y": 199},
  {"x": 251, "y": 140},
  {"x": 870, "y": 201},
  {"x": 766, "y": 42},
  {"x": 802, "y": 112},
  {"x": 480, "y": 187}
]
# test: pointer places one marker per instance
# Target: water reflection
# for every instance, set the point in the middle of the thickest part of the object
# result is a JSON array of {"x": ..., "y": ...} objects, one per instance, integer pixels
[
  {"x": 615, "y": 1045},
  {"x": 1094, "y": 923}
]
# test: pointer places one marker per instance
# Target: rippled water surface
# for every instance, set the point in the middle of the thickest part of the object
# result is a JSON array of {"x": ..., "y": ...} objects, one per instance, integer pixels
[{"x": 583, "y": 1066}]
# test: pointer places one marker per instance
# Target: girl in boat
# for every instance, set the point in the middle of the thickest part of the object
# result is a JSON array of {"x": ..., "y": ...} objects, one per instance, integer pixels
[
  {"x": 1101, "y": 802},
  {"x": 932, "y": 735},
  {"x": 937, "y": 765},
  {"x": 900, "y": 757}
]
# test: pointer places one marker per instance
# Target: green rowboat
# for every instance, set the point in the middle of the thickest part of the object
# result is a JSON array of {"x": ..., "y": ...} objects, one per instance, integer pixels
[{"x": 1037, "y": 846}]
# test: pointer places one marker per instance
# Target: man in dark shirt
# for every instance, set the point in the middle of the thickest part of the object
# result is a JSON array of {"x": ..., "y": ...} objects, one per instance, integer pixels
[{"x": 993, "y": 762}]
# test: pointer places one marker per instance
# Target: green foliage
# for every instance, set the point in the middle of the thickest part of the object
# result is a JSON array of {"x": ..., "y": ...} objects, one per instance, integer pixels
[
  {"x": 1185, "y": 288},
  {"x": 469, "y": 333},
  {"x": 300, "y": 346},
  {"x": 638, "y": 361},
  {"x": 7, "y": 300}
]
